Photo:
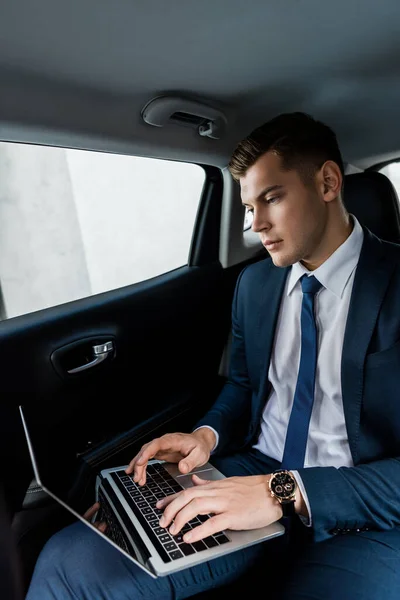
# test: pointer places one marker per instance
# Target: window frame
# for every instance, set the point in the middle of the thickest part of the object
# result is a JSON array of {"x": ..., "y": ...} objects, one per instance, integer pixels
[{"x": 203, "y": 247}]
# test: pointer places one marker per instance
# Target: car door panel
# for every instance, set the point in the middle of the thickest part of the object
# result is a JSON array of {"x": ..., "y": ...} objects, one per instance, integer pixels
[{"x": 168, "y": 333}]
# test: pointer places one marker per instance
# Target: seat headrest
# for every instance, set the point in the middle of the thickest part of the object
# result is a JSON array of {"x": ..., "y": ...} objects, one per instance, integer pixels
[{"x": 371, "y": 197}]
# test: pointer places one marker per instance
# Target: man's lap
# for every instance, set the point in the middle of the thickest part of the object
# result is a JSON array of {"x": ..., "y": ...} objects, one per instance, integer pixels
[
  {"x": 355, "y": 566},
  {"x": 78, "y": 559},
  {"x": 78, "y": 564}
]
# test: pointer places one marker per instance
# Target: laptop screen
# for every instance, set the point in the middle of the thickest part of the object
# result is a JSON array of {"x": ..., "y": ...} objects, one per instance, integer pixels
[
  {"x": 48, "y": 467},
  {"x": 55, "y": 468}
]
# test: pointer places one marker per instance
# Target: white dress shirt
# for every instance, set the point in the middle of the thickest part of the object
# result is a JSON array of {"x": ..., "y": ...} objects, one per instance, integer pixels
[{"x": 327, "y": 443}]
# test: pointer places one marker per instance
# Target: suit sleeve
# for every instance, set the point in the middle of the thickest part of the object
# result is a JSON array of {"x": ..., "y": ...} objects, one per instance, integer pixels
[
  {"x": 230, "y": 413},
  {"x": 361, "y": 498}
]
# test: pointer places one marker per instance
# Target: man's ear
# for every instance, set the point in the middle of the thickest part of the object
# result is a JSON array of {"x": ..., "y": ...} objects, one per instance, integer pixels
[{"x": 331, "y": 179}]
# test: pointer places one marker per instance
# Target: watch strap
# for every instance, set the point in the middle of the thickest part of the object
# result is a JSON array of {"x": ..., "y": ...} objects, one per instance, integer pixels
[{"x": 288, "y": 509}]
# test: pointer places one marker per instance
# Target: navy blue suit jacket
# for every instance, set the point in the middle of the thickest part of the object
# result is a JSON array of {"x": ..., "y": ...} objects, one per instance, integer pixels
[{"x": 366, "y": 496}]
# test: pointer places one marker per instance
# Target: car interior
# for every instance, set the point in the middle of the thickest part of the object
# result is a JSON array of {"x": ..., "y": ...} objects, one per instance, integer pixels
[{"x": 179, "y": 83}]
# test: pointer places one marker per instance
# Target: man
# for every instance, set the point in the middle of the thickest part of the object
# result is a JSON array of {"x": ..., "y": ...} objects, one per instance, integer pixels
[{"x": 312, "y": 389}]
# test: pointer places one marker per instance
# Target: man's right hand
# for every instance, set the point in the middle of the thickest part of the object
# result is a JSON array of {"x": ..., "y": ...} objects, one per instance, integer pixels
[{"x": 189, "y": 450}]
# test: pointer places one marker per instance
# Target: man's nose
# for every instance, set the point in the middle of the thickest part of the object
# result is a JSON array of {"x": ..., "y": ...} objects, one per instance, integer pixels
[{"x": 260, "y": 223}]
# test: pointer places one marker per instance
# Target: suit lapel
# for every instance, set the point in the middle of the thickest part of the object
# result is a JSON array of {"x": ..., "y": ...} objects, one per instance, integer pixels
[
  {"x": 270, "y": 295},
  {"x": 370, "y": 284}
]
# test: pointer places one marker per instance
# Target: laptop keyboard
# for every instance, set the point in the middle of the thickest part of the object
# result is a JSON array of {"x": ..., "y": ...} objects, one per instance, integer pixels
[
  {"x": 114, "y": 530},
  {"x": 143, "y": 499}
]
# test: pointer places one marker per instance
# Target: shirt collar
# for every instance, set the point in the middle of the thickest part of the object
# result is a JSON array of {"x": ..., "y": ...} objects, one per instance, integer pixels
[{"x": 335, "y": 272}]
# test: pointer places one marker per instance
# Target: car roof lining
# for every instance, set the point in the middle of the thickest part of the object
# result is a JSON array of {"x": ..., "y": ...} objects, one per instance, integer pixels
[{"x": 78, "y": 73}]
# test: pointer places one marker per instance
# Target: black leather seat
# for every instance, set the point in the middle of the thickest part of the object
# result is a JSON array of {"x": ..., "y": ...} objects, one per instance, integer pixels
[
  {"x": 372, "y": 198},
  {"x": 10, "y": 572}
]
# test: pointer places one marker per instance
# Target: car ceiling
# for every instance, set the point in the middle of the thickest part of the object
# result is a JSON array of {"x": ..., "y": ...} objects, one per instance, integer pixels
[{"x": 79, "y": 72}]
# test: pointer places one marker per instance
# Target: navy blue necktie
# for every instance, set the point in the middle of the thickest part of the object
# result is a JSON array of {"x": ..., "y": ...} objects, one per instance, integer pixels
[{"x": 297, "y": 432}]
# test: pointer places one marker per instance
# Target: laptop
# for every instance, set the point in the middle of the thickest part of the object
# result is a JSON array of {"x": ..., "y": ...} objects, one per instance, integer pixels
[{"x": 133, "y": 519}]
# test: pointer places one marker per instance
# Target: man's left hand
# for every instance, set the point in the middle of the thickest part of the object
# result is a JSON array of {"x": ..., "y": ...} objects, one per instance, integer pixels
[
  {"x": 100, "y": 525},
  {"x": 234, "y": 503}
]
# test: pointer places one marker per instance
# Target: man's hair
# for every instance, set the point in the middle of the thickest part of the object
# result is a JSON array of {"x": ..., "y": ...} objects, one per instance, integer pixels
[{"x": 302, "y": 142}]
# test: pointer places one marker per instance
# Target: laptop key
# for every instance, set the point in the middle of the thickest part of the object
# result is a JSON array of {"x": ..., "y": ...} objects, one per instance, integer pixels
[
  {"x": 221, "y": 538},
  {"x": 176, "y": 554},
  {"x": 210, "y": 542},
  {"x": 176, "y": 487},
  {"x": 200, "y": 545},
  {"x": 187, "y": 549},
  {"x": 203, "y": 518},
  {"x": 170, "y": 546},
  {"x": 151, "y": 517},
  {"x": 164, "y": 485}
]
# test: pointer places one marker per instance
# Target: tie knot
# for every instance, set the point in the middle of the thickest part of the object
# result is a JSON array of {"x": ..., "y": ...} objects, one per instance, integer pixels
[{"x": 310, "y": 285}]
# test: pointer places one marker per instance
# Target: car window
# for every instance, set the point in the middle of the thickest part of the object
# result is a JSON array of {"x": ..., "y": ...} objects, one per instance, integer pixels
[
  {"x": 392, "y": 170},
  {"x": 248, "y": 220},
  {"x": 76, "y": 223}
]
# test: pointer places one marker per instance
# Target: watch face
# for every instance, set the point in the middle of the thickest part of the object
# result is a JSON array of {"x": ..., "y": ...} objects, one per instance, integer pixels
[{"x": 282, "y": 485}]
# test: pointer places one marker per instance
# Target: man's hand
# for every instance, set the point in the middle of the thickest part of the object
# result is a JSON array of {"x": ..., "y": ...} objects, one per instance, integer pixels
[
  {"x": 189, "y": 450},
  {"x": 234, "y": 503},
  {"x": 100, "y": 525}
]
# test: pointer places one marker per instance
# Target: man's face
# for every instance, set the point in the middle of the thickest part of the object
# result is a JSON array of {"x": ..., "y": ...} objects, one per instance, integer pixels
[{"x": 290, "y": 217}]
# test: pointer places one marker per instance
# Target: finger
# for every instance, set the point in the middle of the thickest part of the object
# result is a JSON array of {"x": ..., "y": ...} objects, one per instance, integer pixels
[
  {"x": 139, "y": 474},
  {"x": 198, "y": 480},
  {"x": 212, "y": 525},
  {"x": 194, "y": 458},
  {"x": 135, "y": 459},
  {"x": 91, "y": 511},
  {"x": 169, "y": 443},
  {"x": 131, "y": 465},
  {"x": 156, "y": 448},
  {"x": 191, "y": 496},
  {"x": 139, "y": 464},
  {"x": 166, "y": 500},
  {"x": 101, "y": 526},
  {"x": 197, "y": 506}
]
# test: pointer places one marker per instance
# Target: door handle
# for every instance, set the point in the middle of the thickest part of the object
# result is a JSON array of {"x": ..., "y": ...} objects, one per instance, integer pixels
[{"x": 100, "y": 353}]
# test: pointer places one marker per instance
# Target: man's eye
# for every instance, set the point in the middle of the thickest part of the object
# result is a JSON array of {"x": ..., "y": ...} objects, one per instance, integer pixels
[{"x": 272, "y": 200}]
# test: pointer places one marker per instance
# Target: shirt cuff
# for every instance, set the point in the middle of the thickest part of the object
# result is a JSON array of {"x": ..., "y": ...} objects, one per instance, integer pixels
[
  {"x": 215, "y": 433},
  {"x": 306, "y": 521}
]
